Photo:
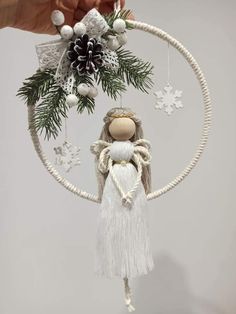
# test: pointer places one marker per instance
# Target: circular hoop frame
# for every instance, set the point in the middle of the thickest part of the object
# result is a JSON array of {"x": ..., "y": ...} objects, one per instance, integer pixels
[{"x": 205, "y": 131}]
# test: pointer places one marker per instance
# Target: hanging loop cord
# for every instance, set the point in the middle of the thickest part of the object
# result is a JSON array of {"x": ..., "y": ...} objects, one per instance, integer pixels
[{"x": 205, "y": 131}]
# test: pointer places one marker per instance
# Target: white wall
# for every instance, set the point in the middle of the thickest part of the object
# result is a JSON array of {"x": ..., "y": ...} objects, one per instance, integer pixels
[{"x": 47, "y": 235}]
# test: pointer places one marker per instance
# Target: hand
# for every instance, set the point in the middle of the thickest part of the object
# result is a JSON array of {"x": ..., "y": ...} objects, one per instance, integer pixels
[{"x": 35, "y": 15}]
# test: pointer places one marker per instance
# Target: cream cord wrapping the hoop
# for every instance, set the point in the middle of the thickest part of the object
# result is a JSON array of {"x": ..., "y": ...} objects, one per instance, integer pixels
[{"x": 205, "y": 132}]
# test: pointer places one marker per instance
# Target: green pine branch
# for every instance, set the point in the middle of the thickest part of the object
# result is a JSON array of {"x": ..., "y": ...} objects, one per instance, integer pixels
[
  {"x": 52, "y": 108},
  {"x": 111, "y": 83},
  {"x": 50, "y": 111},
  {"x": 134, "y": 71},
  {"x": 36, "y": 86},
  {"x": 85, "y": 103}
]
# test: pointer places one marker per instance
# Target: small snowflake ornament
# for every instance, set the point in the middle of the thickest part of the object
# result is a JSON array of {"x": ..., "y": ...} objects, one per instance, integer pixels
[
  {"x": 168, "y": 99},
  {"x": 67, "y": 156}
]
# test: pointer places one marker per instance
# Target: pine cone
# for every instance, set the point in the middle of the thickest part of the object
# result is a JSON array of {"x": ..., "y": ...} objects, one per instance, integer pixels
[{"x": 85, "y": 54}]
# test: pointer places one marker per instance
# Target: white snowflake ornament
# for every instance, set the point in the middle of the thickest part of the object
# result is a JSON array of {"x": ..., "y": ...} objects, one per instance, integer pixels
[
  {"x": 168, "y": 99},
  {"x": 67, "y": 156}
]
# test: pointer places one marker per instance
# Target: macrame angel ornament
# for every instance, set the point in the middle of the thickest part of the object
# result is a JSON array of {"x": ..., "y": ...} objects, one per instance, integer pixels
[
  {"x": 123, "y": 171},
  {"x": 88, "y": 54}
]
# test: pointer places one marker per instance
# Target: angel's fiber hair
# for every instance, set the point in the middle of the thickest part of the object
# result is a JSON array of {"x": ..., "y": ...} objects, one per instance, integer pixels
[{"x": 106, "y": 136}]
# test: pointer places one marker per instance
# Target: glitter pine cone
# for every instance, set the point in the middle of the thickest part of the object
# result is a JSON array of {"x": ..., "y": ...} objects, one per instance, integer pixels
[{"x": 85, "y": 55}]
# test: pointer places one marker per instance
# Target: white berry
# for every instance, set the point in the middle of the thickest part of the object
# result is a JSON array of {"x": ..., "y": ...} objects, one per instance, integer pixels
[
  {"x": 122, "y": 39},
  {"x": 93, "y": 92},
  {"x": 57, "y": 17},
  {"x": 66, "y": 32},
  {"x": 113, "y": 44},
  {"x": 79, "y": 29},
  {"x": 119, "y": 25},
  {"x": 71, "y": 100},
  {"x": 83, "y": 89}
]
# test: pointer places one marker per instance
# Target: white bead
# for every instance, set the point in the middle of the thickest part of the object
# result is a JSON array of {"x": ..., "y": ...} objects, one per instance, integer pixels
[
  {"x": 83, "y": 89},
  {"x": 93, "y": 92},
  {"x": 66, "y": 32},
  {"x": 113, "y": 44},
  {"x": 57, "y": 17},
  {"x": 122, "y": 39},
  {"x": 71, "y": 100},
  {"x": 119, "y": 25},
  {"x": 79, "y": 29}
]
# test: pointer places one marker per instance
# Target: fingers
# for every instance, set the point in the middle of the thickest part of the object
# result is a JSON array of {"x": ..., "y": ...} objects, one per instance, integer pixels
[
  {"x": 75, "y": 10},
  {"x": 104, "y": 6},
  {"x": 107, "y": 5},
  {"x": 68, "y": 7}
]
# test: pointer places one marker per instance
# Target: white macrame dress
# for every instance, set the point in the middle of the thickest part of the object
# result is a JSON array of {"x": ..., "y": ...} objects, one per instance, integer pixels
[{"x": 123, "y": 246}]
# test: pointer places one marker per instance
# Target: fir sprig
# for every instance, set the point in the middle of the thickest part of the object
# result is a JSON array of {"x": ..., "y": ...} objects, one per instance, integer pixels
[
  {"x": 111, "y": 83},
  {"x": 85, "y": 102},
  {"x": 49, "y": 113},
  {"x": 36, "y": 86},
  {"x": 134, "y": 71},
  {"x": 42, "y": 88}
]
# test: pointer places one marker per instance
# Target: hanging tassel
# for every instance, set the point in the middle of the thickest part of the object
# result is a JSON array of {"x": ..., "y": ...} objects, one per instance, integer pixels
[{"x": 128, "y": 294}]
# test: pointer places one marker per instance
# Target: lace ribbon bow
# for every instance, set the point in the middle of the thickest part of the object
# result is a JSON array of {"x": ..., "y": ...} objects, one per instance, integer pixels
[
  {"x": 141, "y": 157},
  {"x": 52, "y": 55}
]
